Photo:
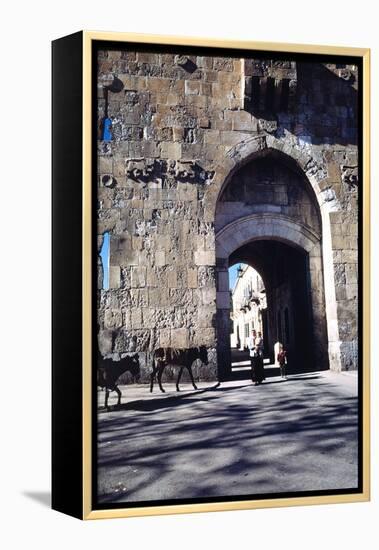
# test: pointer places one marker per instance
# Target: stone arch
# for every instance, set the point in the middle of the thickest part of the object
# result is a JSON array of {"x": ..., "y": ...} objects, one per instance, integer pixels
[
  {"x": 319, "y": 247},
  {"x": 264, "y": 226},
  {"x": 272, "y": 227},
  {"x": 246, "y": 151}
]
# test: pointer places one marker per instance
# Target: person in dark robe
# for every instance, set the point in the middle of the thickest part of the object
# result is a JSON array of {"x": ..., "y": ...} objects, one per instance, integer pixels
[
  {"x": 260, "y": 373},
  {"x": 255, "y": 345}
]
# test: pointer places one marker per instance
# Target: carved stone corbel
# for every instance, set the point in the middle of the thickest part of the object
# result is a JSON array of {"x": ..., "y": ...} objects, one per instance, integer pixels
[{"x": 349, "y": 176}]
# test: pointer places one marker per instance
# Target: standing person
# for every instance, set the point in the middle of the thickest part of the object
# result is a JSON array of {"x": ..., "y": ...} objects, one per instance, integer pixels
[
  {"x": 282, "y": 360},
  {"x": 259, "y": 347},
  {"x": 253, "y": 356}
]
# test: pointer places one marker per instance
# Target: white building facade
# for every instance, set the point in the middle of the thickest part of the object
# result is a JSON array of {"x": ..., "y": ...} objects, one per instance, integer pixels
[{"x": 248, "y": 306}]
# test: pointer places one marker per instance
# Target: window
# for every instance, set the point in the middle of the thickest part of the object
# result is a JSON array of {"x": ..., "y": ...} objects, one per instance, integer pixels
[{"x": 104, "y": 256}]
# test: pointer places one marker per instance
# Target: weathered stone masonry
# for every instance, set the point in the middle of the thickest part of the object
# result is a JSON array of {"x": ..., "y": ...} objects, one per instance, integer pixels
[{"x": 183, "y": 129}]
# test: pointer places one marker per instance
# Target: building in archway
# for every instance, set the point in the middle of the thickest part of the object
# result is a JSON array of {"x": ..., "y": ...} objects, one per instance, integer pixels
[
  {"x": 248, "y": 307},
  {"x": 217, "y": 160}
]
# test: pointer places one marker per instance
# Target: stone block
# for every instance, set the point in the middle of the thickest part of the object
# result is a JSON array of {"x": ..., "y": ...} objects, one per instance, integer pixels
[
  {"x": 223, "y": 64},
  {"x": 108, "y": 221},
  {"x": 339, "y": 274},
  {"x": 187, "y": 192},
  {"x": 137, "y": 318},
  {"x": 160, "y": 258},
  {"x": 204, "y": 123},
  {"x": 208, "y": 296},
  {"x": 340, "y": 293},
  {"x": 231, "y": 138},
  {"x": 105, "y": 165},
  {"x": 137, "y": 243},
  {"x": 351, "y": 291},
  {"x": 179, "y": 338},
  {"x": 113, "y": 319},
  {"x": 206, "y": 317},
  {"x": 165, "y": 338},
  {"x": 104, "y": 340},
  {"x": 351, "y": 271},
  {"x": 173, "y": 99},
  {"x": 147, "y": 57},
  {"x": 149, "y": 318},
  {"x": 349, "y": 256},
  {"x": 138, "y": 277},
  {"x": 338, "y": 242},
  {"x": 212, "y": 137},
  {"x": 172, "y": 279},
  {"x": 161, "y": 85},
  {"x": 204, "y": 62},
  {"x": 206, "y": 276},
  {"x": 204, "y": 337},
  {"x": 204, "y": 257},
  {"x": 171, "y": 151},
  {"x": 178, "y": 134},
  {"x": 199, "y": 101},
  {"x": 127, "y": 319},
  {"x": 114, "y": 277},
  {"x": 192, "y": 277},
  {"x": 151, "y": 277},
  {"x": 164, "y": 242},
  {"x": 125, "y": 258},
  {"x": 191, "y": 87},
  {"x": 210, "y": 242},
  {"x": 242, "y": 121},
  {"x": 158, "y": 297}
]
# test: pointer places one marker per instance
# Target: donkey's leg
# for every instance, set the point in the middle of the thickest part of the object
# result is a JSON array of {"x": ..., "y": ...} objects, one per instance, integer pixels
[
  {"x": 189, "y": 368},
  {"x": 178, "y": 379},
  {"x": 160, "y": 372},
  {"x": 152, "y": 376},
  {"x": 118, "y": 391},
  {"x": 106, "y": 397}
]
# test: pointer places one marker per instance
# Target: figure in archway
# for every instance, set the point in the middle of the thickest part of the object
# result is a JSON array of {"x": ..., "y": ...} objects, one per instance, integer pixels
[
  {"x": 282, "y": 360},
  {"x": 255, "y": 345}
]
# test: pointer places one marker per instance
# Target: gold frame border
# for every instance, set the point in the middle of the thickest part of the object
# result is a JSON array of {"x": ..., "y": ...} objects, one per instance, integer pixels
[{"x": 88, "y": 513}]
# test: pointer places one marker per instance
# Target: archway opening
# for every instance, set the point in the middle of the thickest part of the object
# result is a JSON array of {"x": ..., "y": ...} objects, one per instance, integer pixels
[
  {"x": 272, "y": 295},
  {"x": 268, "y": 217}
]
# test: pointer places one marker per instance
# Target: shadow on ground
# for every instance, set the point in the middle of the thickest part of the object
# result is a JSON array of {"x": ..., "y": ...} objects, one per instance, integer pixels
[{"x": 283, "y": 436}]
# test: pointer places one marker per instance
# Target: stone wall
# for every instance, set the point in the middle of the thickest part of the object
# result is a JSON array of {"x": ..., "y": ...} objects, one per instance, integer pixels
[
  {"x": 268, "y": 185},
  {"x": 180, "y": 125}
]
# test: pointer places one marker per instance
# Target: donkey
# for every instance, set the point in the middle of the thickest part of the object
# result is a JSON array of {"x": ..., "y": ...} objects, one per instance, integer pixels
[
  {"x": 178, "y": 357},
  {"x": 109, "y": 371}
]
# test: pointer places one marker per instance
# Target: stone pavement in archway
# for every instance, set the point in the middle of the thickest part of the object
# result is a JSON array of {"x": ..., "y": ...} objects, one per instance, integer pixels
[{"x": 289, "y": 435}]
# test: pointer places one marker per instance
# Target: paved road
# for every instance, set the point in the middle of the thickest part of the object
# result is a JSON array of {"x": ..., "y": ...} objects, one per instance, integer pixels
[{"x": 289, "y": 435}]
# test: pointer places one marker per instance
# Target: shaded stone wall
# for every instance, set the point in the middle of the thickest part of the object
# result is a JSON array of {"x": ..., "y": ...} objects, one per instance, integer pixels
[
  {"x": 179, "y": 126},
  {"x": 268, "y": 185}
]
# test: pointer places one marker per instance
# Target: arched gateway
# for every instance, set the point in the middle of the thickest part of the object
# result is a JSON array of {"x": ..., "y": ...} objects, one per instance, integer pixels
[
  {"x": 220, "y": 165},
  {"x": 270, "y": 213}
]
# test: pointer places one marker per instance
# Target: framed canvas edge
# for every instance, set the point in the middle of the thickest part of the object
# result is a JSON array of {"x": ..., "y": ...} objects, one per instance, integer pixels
[{"x": 88, "y": 513}]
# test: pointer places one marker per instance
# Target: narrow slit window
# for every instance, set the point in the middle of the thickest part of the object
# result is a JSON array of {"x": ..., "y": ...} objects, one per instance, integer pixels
[{"x": 104, "y": 255}]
